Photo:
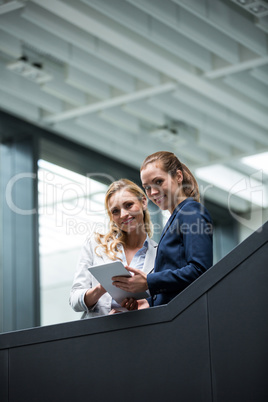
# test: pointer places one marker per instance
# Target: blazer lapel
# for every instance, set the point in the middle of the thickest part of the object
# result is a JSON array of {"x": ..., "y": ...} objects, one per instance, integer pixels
[{"x": 171, "y": 219}]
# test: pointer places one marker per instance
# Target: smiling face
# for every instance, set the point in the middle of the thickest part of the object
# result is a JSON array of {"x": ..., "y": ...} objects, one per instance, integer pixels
[
  {"x": 126, "y": 210},
  {"x": 161, "y": 188}
]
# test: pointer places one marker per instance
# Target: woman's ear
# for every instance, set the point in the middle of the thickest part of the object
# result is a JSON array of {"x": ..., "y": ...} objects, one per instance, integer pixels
[
  {"x": 144, "y": 203},
  {"x": 179, "y": 176}
]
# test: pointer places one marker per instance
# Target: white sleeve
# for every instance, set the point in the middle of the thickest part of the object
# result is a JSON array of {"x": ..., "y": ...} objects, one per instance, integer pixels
[{"x": 82, "y": 278}]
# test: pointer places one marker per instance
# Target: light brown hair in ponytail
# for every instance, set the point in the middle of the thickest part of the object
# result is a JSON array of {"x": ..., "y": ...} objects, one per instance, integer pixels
[
  {"x": 115, "y": 237},
  {"x": 171, "y": 164}
]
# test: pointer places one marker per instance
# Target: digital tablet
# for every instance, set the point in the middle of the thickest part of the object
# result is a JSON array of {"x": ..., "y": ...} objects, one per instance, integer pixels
[{"x": 104, "y": 273}]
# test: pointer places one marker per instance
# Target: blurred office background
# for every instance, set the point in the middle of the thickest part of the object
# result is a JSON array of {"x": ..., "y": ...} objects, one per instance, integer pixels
[{"x": 89, "y": 88}]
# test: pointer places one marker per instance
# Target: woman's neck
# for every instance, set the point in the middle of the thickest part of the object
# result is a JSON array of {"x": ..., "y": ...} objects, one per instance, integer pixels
[
  {"x": 135, "y": 240},
  {"x": 180, "y": 200}
]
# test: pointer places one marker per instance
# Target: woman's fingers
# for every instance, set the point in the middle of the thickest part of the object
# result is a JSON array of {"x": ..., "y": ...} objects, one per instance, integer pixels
[
  {"x": 113, "y": 311},
  {"x": 137, "y": 283},
  {"x": 120, "y": 279},
  {"x": 130, "y": 304}
]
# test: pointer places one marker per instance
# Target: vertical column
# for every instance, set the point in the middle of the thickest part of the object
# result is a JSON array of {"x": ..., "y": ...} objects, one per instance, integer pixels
[{"x": 19, "y": 235}]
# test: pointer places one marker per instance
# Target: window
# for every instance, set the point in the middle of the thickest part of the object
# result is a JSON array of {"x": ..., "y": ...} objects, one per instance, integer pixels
[{"x": 71, "y": 207}]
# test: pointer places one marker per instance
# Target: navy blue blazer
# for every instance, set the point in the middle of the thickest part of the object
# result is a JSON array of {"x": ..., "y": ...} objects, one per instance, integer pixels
[{"x": 185, "y": 251}]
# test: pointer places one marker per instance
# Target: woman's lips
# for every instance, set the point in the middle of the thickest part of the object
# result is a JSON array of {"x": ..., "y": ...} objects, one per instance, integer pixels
[
  {"x": 127, "y": 221},
  {"x": 159, "y": 199}
]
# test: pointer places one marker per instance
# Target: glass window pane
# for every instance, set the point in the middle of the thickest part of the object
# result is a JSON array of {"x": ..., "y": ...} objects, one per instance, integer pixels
[{"x": 71, "y": 207}]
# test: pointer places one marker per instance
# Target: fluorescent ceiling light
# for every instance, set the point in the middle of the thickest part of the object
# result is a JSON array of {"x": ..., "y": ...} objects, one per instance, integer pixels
[
  {"x": 258, "y": 162},
  {"x": 250, "y": 188}
]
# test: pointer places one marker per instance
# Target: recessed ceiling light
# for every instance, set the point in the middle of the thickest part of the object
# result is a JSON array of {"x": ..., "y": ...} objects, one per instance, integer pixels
[{"x": 32, "y": 71}]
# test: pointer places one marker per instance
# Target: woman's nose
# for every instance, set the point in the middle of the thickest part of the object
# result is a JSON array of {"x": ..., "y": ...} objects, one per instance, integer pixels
[
  {"x": 123, "y": 213},
  {"x": 154, "y": 190}
]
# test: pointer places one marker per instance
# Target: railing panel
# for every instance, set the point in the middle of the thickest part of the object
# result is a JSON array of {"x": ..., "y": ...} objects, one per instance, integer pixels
[
  {"x": 208, "y": 344},
  {"x": 4, "y": 375},
  {"x": 238, "y": 320},
  {"x": 151, "y": 362}
]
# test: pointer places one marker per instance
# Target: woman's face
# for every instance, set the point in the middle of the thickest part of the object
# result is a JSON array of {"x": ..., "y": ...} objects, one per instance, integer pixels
[
  {"x": 126, "y": 210},
  {"x": 160, "y": 187}
]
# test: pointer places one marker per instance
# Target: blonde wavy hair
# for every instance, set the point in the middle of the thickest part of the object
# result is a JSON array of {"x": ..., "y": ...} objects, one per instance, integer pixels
[{"x": 115, "y": 237}]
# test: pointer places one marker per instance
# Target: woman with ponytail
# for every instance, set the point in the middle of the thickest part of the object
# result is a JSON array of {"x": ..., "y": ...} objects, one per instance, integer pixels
[
  {"x": 185, "y": 248},
  {"x": 128, "y": 240}
]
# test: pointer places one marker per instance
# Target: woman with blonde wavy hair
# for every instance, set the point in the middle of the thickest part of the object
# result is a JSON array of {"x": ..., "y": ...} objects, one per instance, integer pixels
[{"x": 128, "y": 240}]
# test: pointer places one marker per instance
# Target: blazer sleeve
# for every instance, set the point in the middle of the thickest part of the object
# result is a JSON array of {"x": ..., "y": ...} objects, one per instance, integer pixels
[
  {"x": 82, "y": 278},
  {"x": 184, "y": 253}
]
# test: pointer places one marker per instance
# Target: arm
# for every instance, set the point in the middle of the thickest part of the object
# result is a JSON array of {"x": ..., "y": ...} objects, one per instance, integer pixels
[
  {"x": 138, "y": 282},
  {"x": 83, "y": 296},
  {"x": 92, "y": 295}
]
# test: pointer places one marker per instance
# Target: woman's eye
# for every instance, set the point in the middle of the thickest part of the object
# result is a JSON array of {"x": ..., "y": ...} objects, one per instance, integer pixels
[
  {"x": 147, "y": 188},
  {"x": 129, "y": 205},
  {"x": 159, "y": 182},
  {"x": 114, "y": 211}
]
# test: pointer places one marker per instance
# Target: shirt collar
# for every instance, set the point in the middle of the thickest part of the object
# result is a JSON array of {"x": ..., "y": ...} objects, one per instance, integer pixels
[
  {"x": 146, "y": 241},
  {"x": 145, "y": 244}
]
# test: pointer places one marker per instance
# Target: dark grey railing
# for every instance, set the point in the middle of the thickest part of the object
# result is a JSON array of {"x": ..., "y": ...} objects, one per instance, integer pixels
[{"x": 210, "y": 343}]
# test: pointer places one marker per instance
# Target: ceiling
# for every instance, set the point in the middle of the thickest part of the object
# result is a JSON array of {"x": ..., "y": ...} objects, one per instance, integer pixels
[{"x": 131, "y": 77}]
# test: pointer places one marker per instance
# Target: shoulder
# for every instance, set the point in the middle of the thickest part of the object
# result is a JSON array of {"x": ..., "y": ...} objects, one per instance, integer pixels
[
  {"x": 93, "y": 249},
  {"x": 192, "y": 209},
  {"x": 91, "y": 242}
]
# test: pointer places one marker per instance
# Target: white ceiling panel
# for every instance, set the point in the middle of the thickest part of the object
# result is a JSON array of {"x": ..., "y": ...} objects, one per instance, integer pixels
[
  {"x": 191, "y": 26},
  {"x": 131, "y": 77},
  {"x": 87, "y": 83},
  {"x": 261, "y": 74}
]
